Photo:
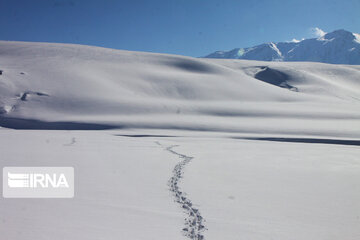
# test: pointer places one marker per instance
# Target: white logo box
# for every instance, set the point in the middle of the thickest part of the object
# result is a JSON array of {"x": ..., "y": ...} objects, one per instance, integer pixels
[{"x": 38, "y": 182}]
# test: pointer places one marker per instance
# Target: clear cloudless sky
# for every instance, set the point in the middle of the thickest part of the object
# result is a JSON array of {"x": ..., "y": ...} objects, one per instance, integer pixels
[{"x": 186, "y": 27}]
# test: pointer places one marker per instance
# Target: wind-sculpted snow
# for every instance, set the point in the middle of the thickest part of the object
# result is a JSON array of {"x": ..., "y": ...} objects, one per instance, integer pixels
[
  {"x": 272, "y": 76},
  {"x": 64, "y": 86}
]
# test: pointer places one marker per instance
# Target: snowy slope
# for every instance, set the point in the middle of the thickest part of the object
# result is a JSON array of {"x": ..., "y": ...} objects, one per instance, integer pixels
[
  {"x": 59, "y": 86},
  {"x": 193, "y": 148},
  {"x": 338, "y": 47}
]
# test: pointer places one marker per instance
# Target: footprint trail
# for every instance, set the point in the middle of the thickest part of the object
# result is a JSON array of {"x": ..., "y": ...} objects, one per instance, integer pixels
[{"x": 194, "y": 222}]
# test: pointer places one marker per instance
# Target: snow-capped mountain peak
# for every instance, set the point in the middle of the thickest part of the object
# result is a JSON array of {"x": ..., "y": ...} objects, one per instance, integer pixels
[
  {"x": 339, "y": 46},
  {"x": 341, "y": 33}
]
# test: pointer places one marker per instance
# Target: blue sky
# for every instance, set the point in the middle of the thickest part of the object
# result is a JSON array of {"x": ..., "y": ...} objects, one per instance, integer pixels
[{"x": 186, "y": 27}]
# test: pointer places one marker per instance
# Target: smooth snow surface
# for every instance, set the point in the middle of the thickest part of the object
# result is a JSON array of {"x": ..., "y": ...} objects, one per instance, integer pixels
[
  {"x": 243, "y": 188},
  {"x": 188, "y": 148}
]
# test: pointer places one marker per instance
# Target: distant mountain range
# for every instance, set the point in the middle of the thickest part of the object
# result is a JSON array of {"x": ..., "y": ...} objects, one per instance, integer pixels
[{"x": 338, "y": 47}]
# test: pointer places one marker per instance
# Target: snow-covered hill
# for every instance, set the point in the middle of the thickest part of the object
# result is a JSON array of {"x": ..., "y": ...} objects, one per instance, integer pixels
[
  {"x": 199, "y": 149},
  {"x": 338, "y": 47},
  {"x": 62, "y": 86}
]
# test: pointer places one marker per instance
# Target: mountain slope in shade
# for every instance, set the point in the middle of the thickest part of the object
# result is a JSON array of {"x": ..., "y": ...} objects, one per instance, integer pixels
[{"x": 338, "y": 47}]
